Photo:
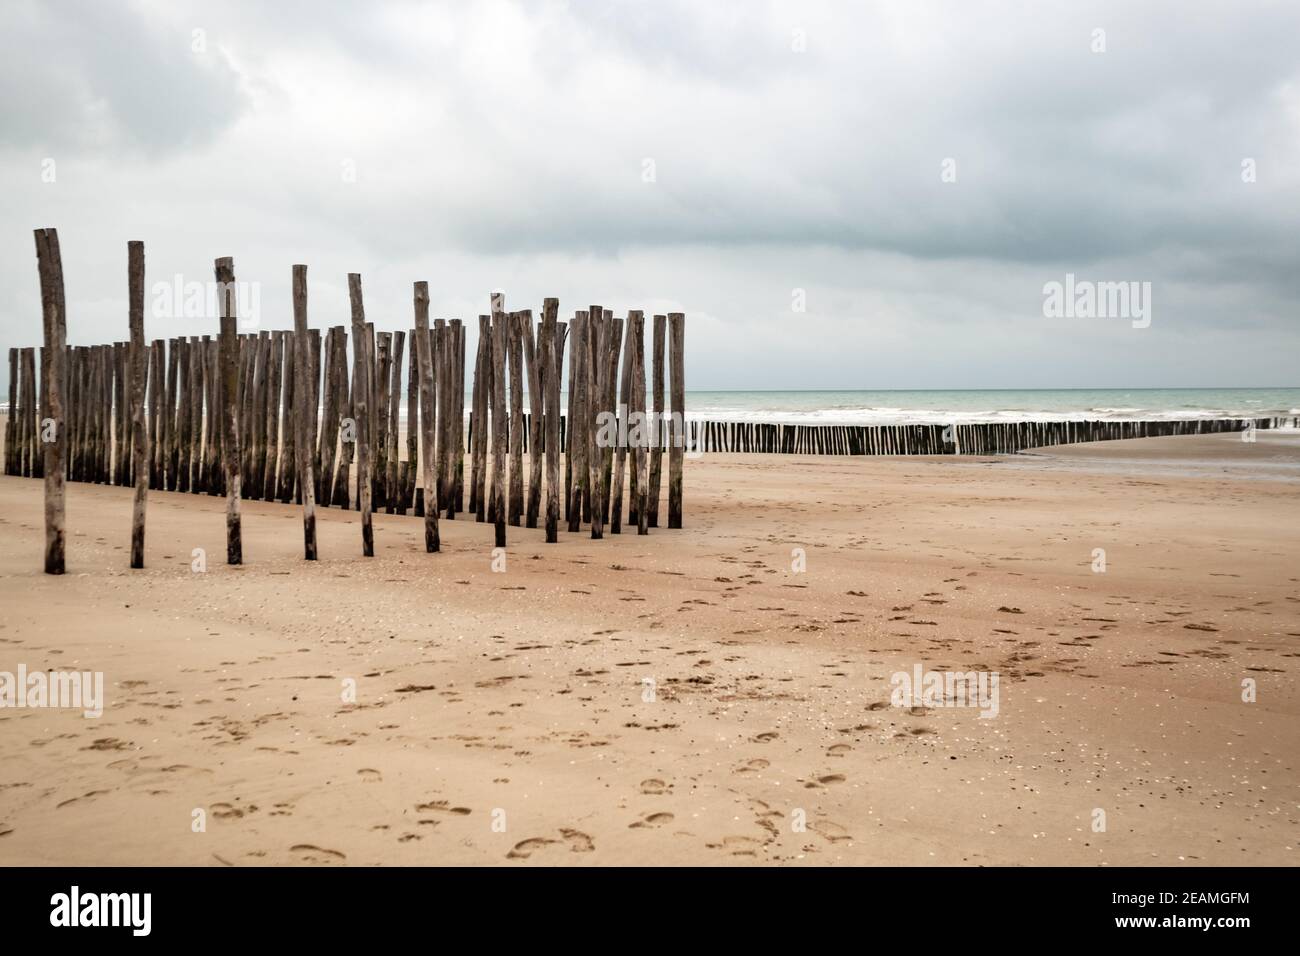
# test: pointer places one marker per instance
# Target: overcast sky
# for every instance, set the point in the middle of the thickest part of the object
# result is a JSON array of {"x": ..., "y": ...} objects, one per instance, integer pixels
[{"x": 706, "y": 157}]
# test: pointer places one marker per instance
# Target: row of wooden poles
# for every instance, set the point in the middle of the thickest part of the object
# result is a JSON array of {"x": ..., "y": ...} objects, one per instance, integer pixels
[
  {"x": 979, "y": 438},
  {"x": 273, "y": 416}
]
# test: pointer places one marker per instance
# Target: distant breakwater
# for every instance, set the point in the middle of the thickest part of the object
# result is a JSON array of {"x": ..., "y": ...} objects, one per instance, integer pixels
[{"x": 982, "y": 438}]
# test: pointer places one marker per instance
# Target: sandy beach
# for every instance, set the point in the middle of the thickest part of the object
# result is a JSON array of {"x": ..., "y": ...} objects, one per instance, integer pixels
[{"x": 689, "y": 697}]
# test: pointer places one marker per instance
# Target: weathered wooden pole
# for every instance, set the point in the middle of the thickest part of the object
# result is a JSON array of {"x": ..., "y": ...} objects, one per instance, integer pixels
[
  {"x": 579, "y": 361},
  {"x": 458, "y": 420},
  {"x": 499, "y": 425},
  {"x": 515, "y": 348},
  {"x": 12, "y": 414},
  {"x": 640, "y": 446},
  {"x": 569, "y": 461},
  {"x": 279, "y": 414},
  {"x": 620, "y": 455},
  {"x": 282, "y": 452},
  {"x": 442, "y": 376},
  {"x": 384, "y": 370},
  {"x": 314, "y": 406},
  {"x": 412, "y": 426},
  {"x": 53, "y": 359},
  {"x": 537, "y": 408},
  {"x": 321, "y": 471},
  {"x": 360, "y": 409},
  {"x": 656, "y": 431},
  {"x": 676, "y": 352},
  {"x": 27, "y": 413},
  {"x": 609, "y": 403},
  {"x": 479, "y": 419},
  {"x": 229, "y": 351},
  {"x": 305, "y": 412},
  {"x": 424, "y": 358},
  {"x": 139, "y": 436},
  {"x": 598, "y": 386},
  {"x": 347, "y": 427},
  {"x": 552, "y": 358},
  {"x": 392, "y": 484}
]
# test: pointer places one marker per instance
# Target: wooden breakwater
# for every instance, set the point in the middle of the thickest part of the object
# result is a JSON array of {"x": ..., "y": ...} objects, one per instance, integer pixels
[
  {"x": 284, "y": 415},
  {"x": 981, "y": 438}
]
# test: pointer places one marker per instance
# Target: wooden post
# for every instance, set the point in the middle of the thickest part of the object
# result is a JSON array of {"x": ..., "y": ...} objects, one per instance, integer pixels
[
  {"x": 423, "y": 348},
  {"x": 12, "y": 414},
  {"x": 551, "y": 357},
  {"x": 676, "y": 352},
  {"x": 609, "y": 403},
  {"x": 499, "y": 416},
  {"x": 516, "y": 356},
  {"x": 624, "y": 406},
  {"x": 184, "y": 413},
  {"x": 272, "y": 428},
  {"x": 286, "y": 478},
  {"x": 329, "y": 426},
  {"x": 640, "y": 449},
  {"x": 412, "y": 426},
  {"x": 248, "y": 414},
  {"x": 397, "y": 351},
  {"x": 314, "y": 406},
  {"x": 305, "y": 411},
  {"x": 54, "y": 316},
  {"x": 442, "y": 376},
  {"x": 229, "y": 351},
  {"x": 537, "y": 408},
  {"x": 392, "y": 485},
  {"x": 383, "y": 370},
  {"x": 457, "y": 418},
  {"x": 360, "y": 410},
  {"x": 27, "y": 420},
  {"x": 139, "y": 437},
  {"x": 572, "y": 390},
  {"x": 597, "y": 387},
  {"x": 479, "y": 412},
  {"x": 579, "y": 359},
  {"x": 216, "y": 418},
  {"x": 347, "y": 426},
  {"x": 656, "y": 432},
  {"x": 170, "y": 423},
  {"x": 157, "y": 402}
]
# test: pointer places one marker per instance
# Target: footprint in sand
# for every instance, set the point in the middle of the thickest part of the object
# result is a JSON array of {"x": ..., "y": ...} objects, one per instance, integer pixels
[
  {"x": 578, "y": 842},
  {"x": 443, "y": 806},
  {"x": 654, "y": 786},
  {"x": 652, "y": 820},
  {"x": 766, "y": 737},
  {"x": 837, "y": 750},
  {"x": 317, "y": 856},
  {"x": 526, "y": 848},
  {"x": 754, "y": 766},
  {"x": 824, "y": 781},
  {"x": 831, "y": 832},
  {"x": 228, "y": 811},
  {"x": 738, "y": 845},
  {"x": 369, "y": 775}
]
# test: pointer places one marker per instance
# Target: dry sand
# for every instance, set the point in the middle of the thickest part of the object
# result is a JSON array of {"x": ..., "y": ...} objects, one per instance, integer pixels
[{"x": 517, "y": 698}]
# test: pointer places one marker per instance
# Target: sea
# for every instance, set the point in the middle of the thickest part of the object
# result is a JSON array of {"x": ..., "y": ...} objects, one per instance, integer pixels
[{"x": 965, "y": 406}]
